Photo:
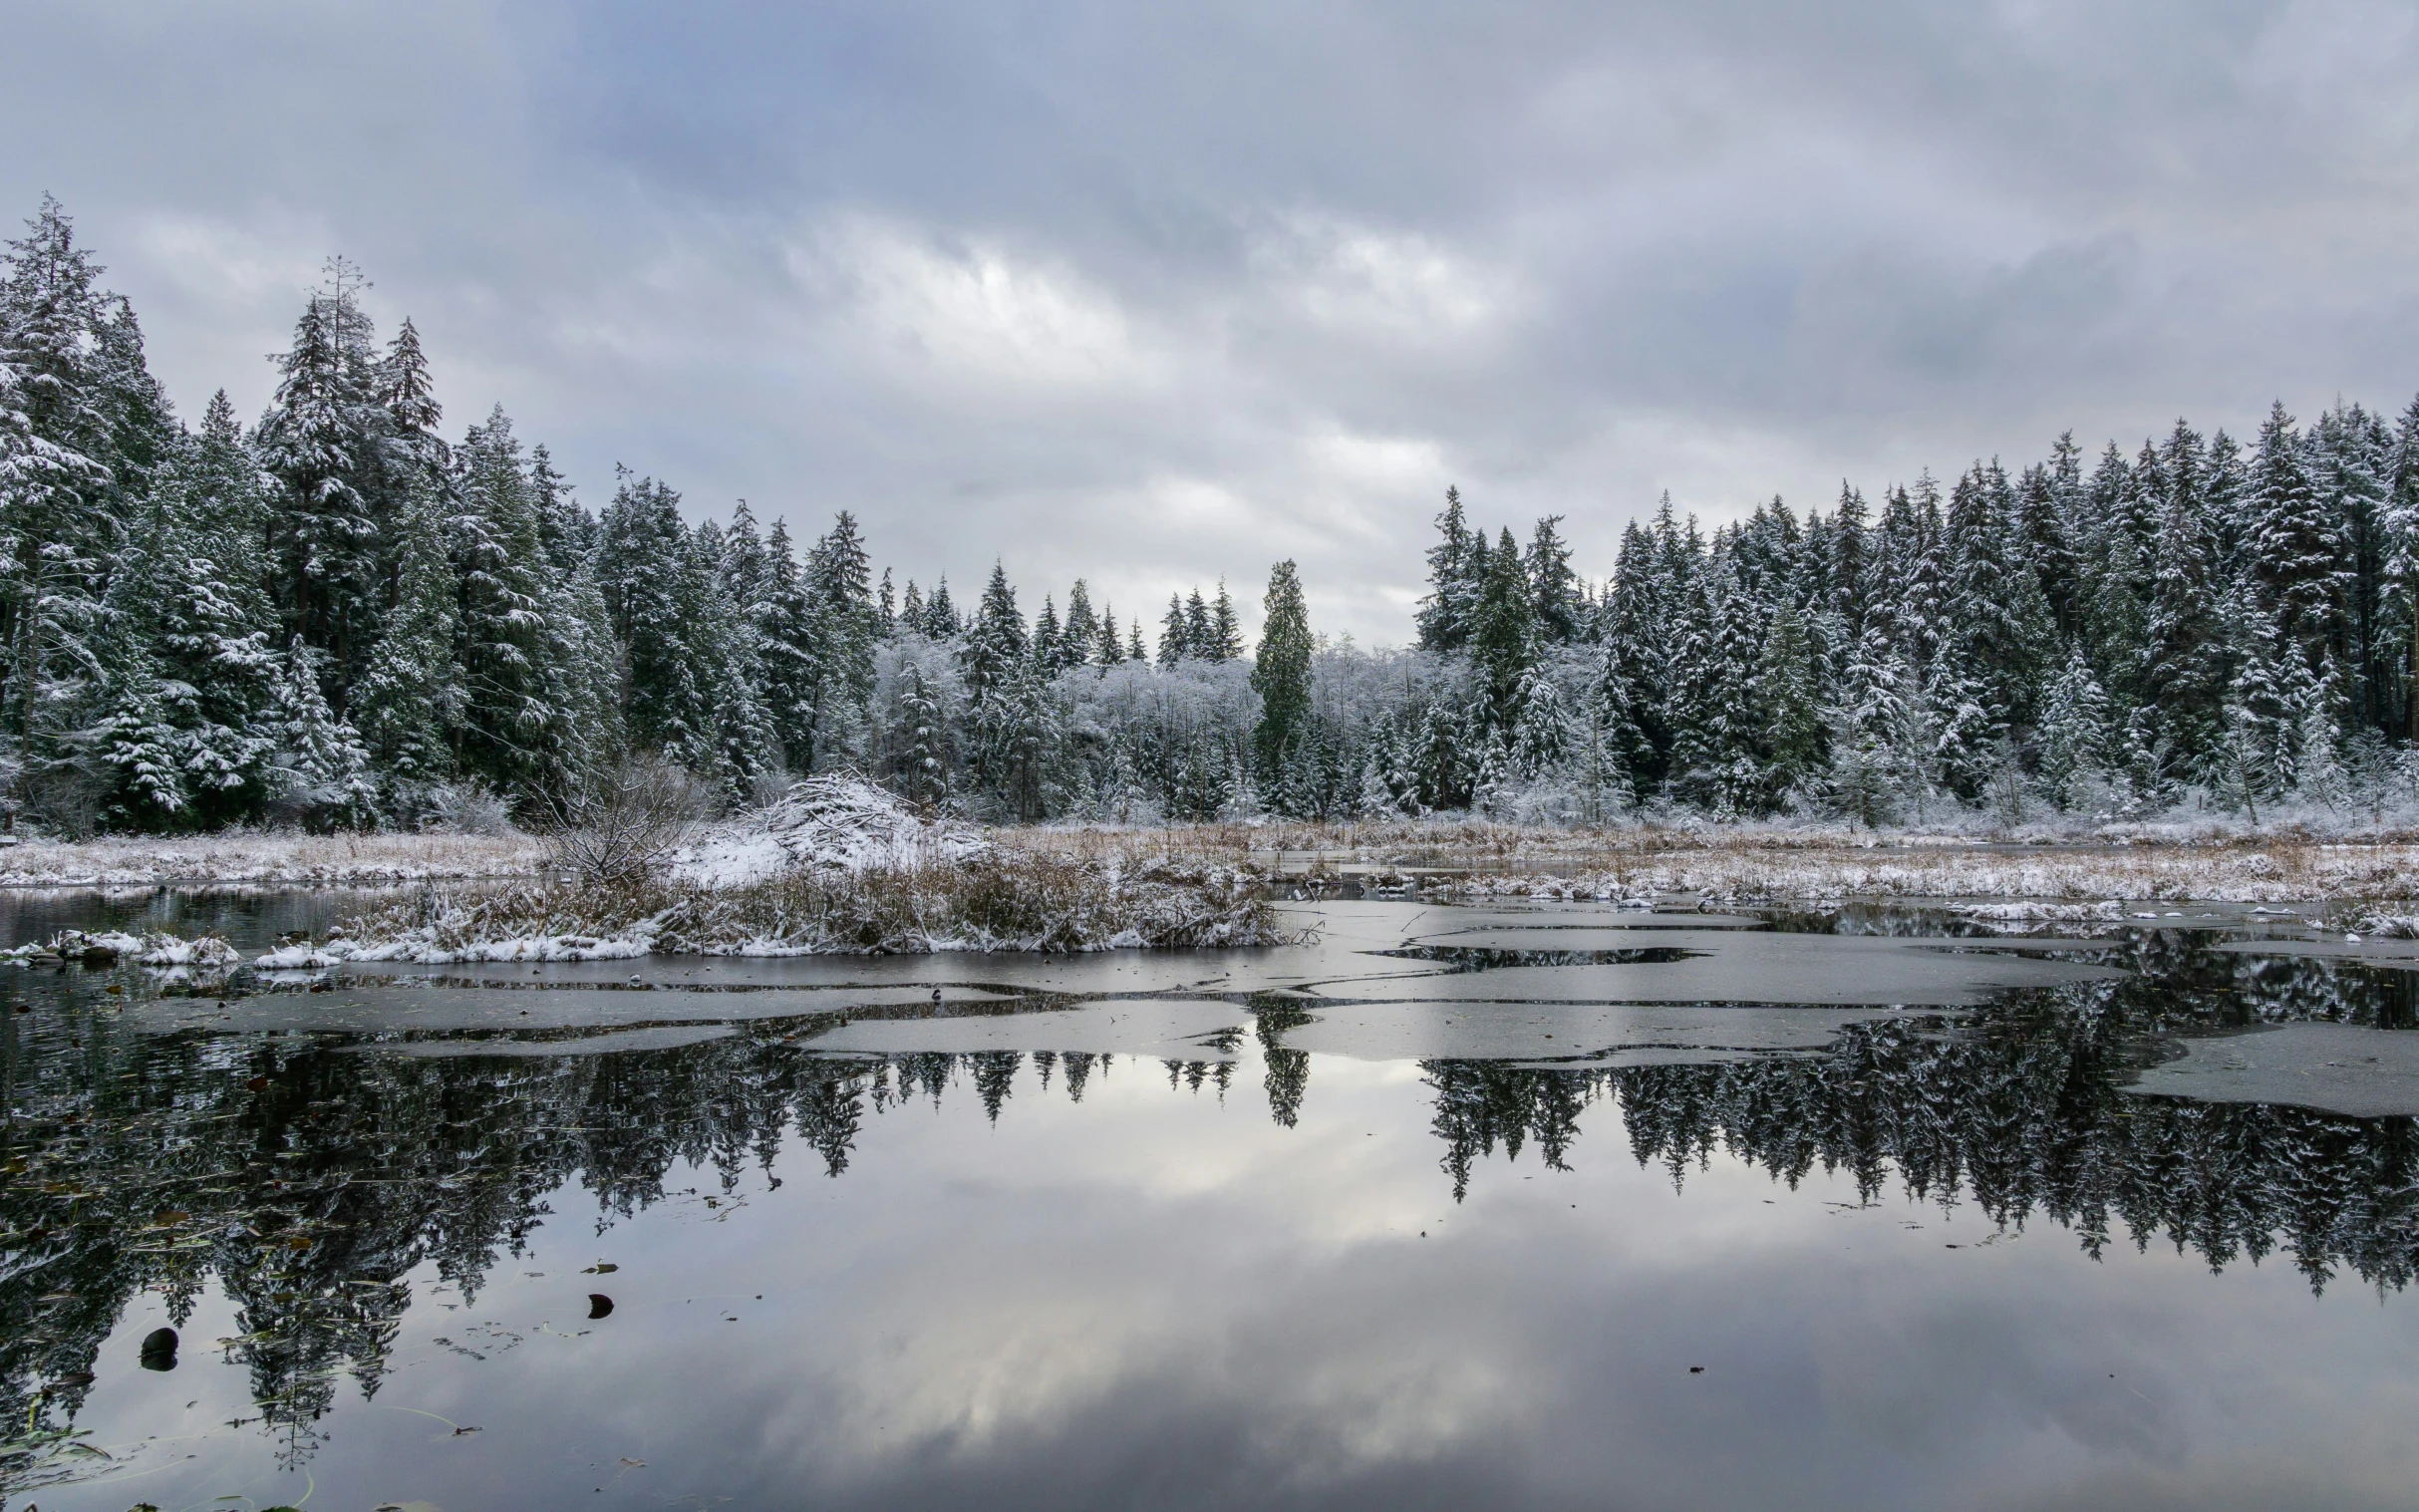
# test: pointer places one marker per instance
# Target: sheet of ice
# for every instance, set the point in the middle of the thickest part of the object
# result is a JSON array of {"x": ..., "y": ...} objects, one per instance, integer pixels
[
  {"x": 1157, "y": 1028},
  {"x": 2335, "y": 1067},
  {"x": 1098, "y": 973},
  {"x": 377, "y": 1010},
  {"x": 1628, "y": 1034},
  {"x": 613, "y": 1041},
  {"x": 1594, "y": 939},
  {"x": 1580, "y": 916},
  {"x": 1750, "y": 967}
]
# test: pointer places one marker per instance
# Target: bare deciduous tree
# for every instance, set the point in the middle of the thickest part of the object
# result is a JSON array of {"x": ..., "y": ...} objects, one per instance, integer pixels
[{"x": 620, "y": 827}]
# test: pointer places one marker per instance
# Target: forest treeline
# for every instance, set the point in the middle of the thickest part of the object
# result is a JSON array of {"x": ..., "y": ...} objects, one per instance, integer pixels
[{"x": 335, "y": 615}]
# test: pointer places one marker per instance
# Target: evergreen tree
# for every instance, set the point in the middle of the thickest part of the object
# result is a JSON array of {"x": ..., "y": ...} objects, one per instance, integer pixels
[
  {"x": 319, "y": 767},
  {"x": 642, "y": 555},
  {"x": 1175, "y": 633},
  {"x": 786, "y": 648},
  {"x": 508, "y": 721},
  {"x": 1047, "y": 639},
  {"x": 742, "y": 744},
  {"x": 2184, "y": 654},
  {"x": 1444, "y": 615},
  {"x": 2074, "y": 732},
  {"x": 181, "y": 668},
  {"x": 1994, "y": 622},
  {"x": 1082, "y": 634},
  {"x": 1713, "y": 749},
  {"x": 2399, "y": 569},
  {"x": 411, "y": 696},
  {"x": 923, "y": 741},
  {"x": 1503, "y": 635},
  {"x": 323, "y": 441},
  {"x": 2262, "y": 713},
  {"x": 996, "y": 644},
  {"x": 1281, "y": 674},
  {"x": 2297, "y": 550},
  {"x": 1200, "y": 635},
  {"x": 1553, "y": 587},
  {"x": 1867, "y": 719},
  {"x": 59, "y": 520},
  {"x": 1224, "y": 642},
  {"x": 1787, "y": 705}
]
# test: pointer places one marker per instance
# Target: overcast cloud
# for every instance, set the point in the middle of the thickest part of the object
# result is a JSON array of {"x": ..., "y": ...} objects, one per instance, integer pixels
[{"x": 1154, "y": 294}]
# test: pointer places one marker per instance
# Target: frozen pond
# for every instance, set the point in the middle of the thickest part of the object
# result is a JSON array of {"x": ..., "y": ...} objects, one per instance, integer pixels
[{"x": 1511, "y": 1207}]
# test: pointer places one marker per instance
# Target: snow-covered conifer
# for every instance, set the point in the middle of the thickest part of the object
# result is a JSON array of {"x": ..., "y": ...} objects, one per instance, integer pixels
[{"x": 1281, "y": 673}]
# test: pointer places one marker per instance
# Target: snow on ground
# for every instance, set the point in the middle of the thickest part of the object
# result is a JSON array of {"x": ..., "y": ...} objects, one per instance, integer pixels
[
  {"x": 2167, "y": 873},
  {"x": 421, "y": 948},
  {"x": 253, "y": 857},
  {"x": 828, "y": 823},
  {"x": 160, "y": 950}
]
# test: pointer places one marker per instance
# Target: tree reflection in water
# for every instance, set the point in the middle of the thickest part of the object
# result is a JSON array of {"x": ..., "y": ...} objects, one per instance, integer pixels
[{"x": 309, "y": 1179}]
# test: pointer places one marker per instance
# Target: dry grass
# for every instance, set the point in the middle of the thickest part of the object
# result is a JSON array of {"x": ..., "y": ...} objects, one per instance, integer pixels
[
  {"x": 1477, "y": 858},
  {"x": 251, "y": 856},
  {"x": 1013, "y": 899}
]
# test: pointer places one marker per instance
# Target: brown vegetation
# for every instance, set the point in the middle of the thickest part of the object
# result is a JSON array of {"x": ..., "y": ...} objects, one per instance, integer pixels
[{"x": 1014, "y": 898}]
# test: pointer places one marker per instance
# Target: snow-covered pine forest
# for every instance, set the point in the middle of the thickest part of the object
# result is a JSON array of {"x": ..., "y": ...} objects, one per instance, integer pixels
[{"x": 339, "y": 615}]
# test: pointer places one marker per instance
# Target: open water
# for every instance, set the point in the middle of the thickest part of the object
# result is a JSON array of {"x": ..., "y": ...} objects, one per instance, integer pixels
[{"x": 1503, "y": 1207}]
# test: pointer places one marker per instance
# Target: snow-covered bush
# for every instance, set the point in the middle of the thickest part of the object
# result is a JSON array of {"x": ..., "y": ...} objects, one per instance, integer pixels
[
  {"x": 465, "y": 808},
  {"x": 839, "y": 822}
]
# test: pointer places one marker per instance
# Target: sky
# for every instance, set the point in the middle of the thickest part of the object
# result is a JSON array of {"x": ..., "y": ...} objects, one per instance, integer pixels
[{"x": 1152, "y": 295}]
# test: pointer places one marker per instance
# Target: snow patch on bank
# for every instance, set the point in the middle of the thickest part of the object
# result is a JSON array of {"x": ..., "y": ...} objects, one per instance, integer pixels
[
  {"x": 836, "y": 823},
  {"x": 251, "y": 857},
  {"x": 421, "y": 948},
  {"x": 111, "y": 945}
]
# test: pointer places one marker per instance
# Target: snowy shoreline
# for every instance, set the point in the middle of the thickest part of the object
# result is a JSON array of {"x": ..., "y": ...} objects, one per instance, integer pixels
[
  {"x": 255, "y": 858},
  {"x": 1475, "y": 858}
]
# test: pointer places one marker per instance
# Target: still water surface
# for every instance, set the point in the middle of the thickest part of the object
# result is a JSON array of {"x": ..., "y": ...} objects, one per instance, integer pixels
[{"x": 1512, "y": 1208}]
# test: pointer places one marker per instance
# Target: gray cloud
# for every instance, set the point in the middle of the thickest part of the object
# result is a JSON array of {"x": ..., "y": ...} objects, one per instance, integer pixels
[{"x": 1152, "y": 297}]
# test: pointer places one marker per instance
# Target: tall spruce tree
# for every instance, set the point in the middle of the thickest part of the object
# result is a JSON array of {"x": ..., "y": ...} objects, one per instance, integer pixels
[
  {"x": 509, "y": 722},
  {"x": 1225, "y": 638},
  {"x": 1446, "y": 614},
  {"x": 323, "y": 441},
  {"x": 1503, "y": 635},
  {"x": 1281, "y": 674},
  {"x": 411, "y": 696},
  {"x": 1175, "y": 635},
  {"x": 2297, "y": 550},
  {"x": 1553, "y": 587},
  {"x": 60, "y": 505}
]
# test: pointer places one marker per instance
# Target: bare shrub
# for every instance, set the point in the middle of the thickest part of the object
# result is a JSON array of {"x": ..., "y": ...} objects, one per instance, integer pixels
[
  {"x": 467, "y": 808},
  {"x": 62, "y": 798},
  {"x": 618, "y": 830},
  {"x": 770, "y": 787}
]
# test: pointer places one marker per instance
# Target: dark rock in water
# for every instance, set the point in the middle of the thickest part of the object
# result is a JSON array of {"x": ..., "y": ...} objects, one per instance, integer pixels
[
  {"x": 599, "y": 1304},
  {"x": 160, "y": 1349}
]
